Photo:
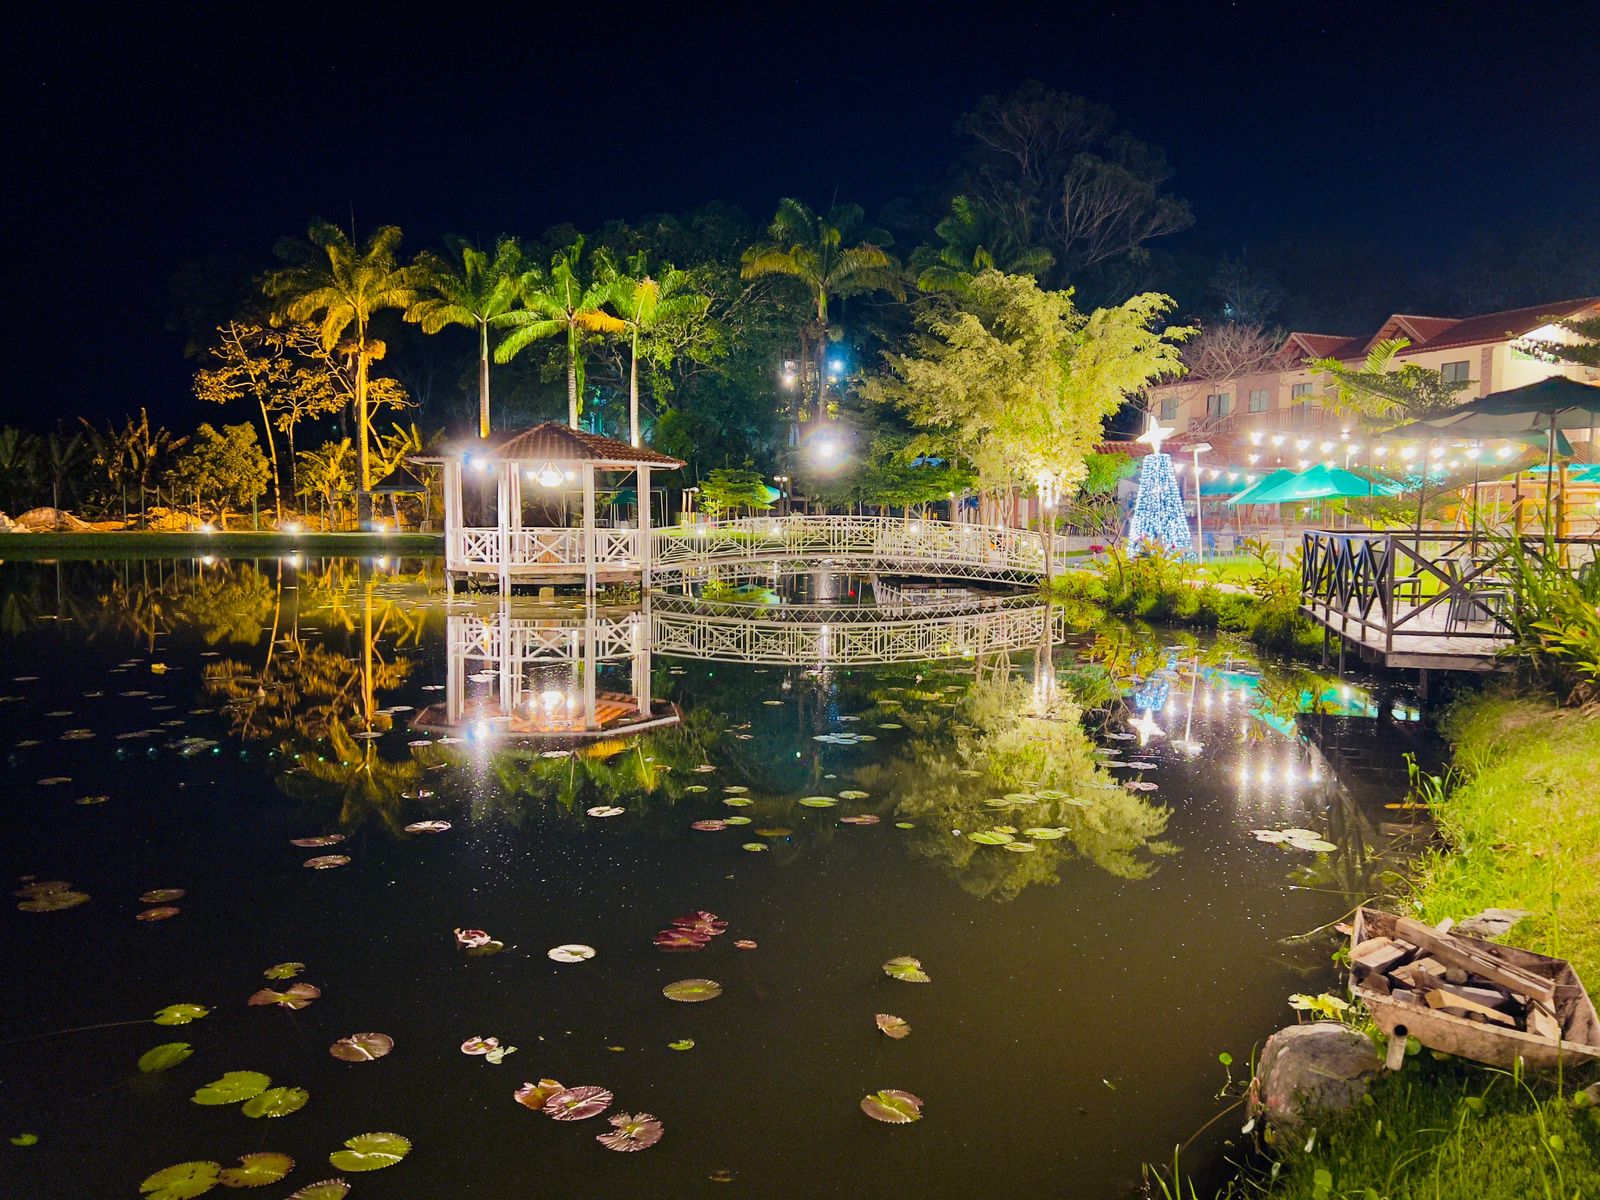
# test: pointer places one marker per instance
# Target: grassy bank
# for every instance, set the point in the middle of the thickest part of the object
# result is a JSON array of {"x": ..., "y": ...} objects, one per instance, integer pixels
[
  {"x": 141, "y": 544},
  {"x": 1521, "y": 818}
]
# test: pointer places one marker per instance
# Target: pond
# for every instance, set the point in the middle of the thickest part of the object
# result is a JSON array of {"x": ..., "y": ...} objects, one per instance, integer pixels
[{"x": 1059, "y": 833}]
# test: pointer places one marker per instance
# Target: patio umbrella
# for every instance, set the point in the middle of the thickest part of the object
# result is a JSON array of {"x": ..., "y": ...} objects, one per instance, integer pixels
[
  {"x": 1225, "y": 484},
  {"x": 1323, "y": 482},
  {"x": 1248, "y": 495}
]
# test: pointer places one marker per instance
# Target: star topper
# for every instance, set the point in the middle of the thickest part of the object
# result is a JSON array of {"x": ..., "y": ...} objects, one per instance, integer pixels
[{"x": 1155, "y": 433}]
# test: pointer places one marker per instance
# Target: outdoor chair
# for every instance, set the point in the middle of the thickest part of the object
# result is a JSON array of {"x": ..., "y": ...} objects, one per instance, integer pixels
[{"x": 1473, "y": 604}]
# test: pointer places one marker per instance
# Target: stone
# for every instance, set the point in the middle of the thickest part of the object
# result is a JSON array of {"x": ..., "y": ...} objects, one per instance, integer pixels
[
  {"x": 1323, "y": 1067},
  {"x": 1492, "y": 922}
]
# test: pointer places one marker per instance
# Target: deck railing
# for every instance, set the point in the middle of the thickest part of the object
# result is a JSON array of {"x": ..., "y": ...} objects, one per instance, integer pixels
[{"x": 1379, "y": 587}]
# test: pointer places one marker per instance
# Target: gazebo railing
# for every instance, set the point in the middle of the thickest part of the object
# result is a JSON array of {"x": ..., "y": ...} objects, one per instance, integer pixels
[{"x": 553, "y": 547}]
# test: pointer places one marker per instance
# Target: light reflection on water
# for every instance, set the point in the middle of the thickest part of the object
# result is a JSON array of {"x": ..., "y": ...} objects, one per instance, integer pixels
[{"x": 309, "y": 696}]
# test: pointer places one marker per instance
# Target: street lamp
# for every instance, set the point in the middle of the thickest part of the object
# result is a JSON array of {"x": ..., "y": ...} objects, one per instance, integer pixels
[{"x": 1198, "y": 449}]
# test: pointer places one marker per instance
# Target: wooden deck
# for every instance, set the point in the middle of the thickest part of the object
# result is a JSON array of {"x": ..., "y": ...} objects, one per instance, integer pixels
[{"x": 1421, "y": 643}]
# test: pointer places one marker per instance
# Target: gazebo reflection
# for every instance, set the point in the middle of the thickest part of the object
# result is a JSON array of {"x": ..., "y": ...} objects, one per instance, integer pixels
[{"x": 554, "y": 678}]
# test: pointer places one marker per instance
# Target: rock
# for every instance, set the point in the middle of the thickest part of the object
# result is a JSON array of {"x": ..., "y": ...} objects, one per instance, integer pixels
[
  {"x": 1323, "y": 1067},
  {"x": 6, "y": 524},
  {"x": 49, "y": 520},
  {"x": 1492, "y": 922}
]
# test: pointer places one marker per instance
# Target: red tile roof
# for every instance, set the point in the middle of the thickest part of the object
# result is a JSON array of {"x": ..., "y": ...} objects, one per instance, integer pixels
[
  {"x": 1498, "y": 326},
  {"x": 554, "y": 442}
]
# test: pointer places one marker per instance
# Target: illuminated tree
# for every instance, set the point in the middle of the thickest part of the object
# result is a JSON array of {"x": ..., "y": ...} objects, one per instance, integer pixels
[{"x": 223, "y": 466}]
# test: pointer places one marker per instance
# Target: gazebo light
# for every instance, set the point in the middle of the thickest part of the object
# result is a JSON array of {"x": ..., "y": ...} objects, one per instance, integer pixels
[
  {"x": 1380, "y": 451},
  {"x": 548, "y": 475}
]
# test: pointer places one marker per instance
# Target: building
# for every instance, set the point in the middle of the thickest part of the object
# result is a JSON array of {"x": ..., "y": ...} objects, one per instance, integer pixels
[{"x": 1492, "y": 352}]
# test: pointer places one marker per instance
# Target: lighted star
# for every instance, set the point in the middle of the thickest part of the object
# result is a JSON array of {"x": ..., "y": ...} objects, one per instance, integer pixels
[
  {"x": 1155, "y": 433},
  {"x": 1146, "y": 727}
]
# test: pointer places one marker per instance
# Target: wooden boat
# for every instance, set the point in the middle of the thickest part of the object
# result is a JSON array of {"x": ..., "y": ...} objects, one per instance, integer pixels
[{"x": 1579, "y": 1041}]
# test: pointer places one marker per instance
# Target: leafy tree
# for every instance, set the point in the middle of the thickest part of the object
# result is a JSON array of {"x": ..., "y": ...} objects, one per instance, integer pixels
[
  {"x": 62, "y": 454},
  {"x": 569, "y": 301},
  {"x": 326, "y": 473},
  {"x": 1384, "y": 395},
  {"x": 135, "y": 455},
  {"x": 646, "y": 305},
  {"x": 725, "y": 489},
  {"x": 974, "y": 239},
  {"x": 1585, "y": 350},
  {"x": 222, "y": 466},
  {"x": 832, "y": 255},
  {"x": 476, "y": 294},
  {"x": 1102, "y": 472},
  {"x": 329, "y": 280},
  {"x": 20, "y": 476}
]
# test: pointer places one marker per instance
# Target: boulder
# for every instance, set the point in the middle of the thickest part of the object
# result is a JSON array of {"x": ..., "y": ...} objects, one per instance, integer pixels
[
  {"x": 1321, "y": 1067},
  {"x": 50, "y": 520}
]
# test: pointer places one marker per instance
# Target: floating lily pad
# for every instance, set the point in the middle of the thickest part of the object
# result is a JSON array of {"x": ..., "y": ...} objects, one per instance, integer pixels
[
  {"x": 744, "y": 944},
  {"x": 992, "y": 837},
  {"x": 479, "y": 1045},
  {"x": 736, "y": 820},
  {"x": 326, "y": 862},
  {"x": 692, "y": 991},
  {"x": 711, "y": 826},
  {"x": 370, "y": 1152},
  {"x": 428, "y": 827},
  {"x": 164, "y": 1057},
  {"x": 1044, "y": 833},
  {"x": 309, "y": 843},
  {"x": 892, "y": 1106},
  {"x": 284, "y": 970},
  {"x": 904, "y": 825},
  {"x": 632, "y": 1132},
  {"x": 534, "y": 1095},
  {"x": 695, "y": 787},
  {"x": 1315, "y": 844},
  {"x": 577, "y": 1104},
  {"x": 162, "y": 896},
  {"x": 498, "y": 1054},
  {"x": 276, "y": 1102},
  {"x": 182, "y": 1181},
  {"x": 906, "y": 969},
  {"x": 774, "y": 832},
  {"x": 860, "y": 819},
  {"x": 570, "y": 953},
  {"x": 233, "y": 1088},
  {"x": 296, "y": 996},
  {"x": 159, "y": 913},
  {"x": 328, "y": 1189},
  {"x": 754, "y": 847},
  {"x": 362, "y": 1047},
  {"x": 818, "y": 801},
  {"x": 681, "y": 1044},
  {"x": 54, "y": 901},
  {"x": 1020, "y": 847},
  {"x": 891, "y": 1026},
  {"x": 736, "y": 789},
  {"x": 606, "y": 810},
  {"x": 737, "y": 801},
  {"x": 180, "y": 1014},
  {"x": 852, "y": 794}
]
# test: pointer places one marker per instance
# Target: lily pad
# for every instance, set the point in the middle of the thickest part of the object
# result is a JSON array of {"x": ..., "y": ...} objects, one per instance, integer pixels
[
  {"x": 736, "y": 789},
  {"x": 54, "y": 901},
  {"x": 852, "y": 794},
  {"x": 894, "y": 1027},
  {"x": 428, "y": 827},
  {"x": 736, "y": 820},
  {"x": 159, "y": 913},
  {"x": 234, "y": 1087},
  {"x": 284, "y": 970},
  {"x": 818, "y": 801},
  {"x": 180, "y": 1014},
  {"x": 256, "y": 1170},
  {"x": 906, "y": 969},
  {"x": 326, "y": 862},
  {"x": 276, "y": 1102},
  {"x": 1020, "y": 847},
  {"x": 738, "y": 801},
  {"x": 631, "y": 1132},
  {"x": 754, "y": 847},
  {"x": 692, "y": 991},
  {"x": 370, "y": 1152},
  {"x": 711, "y": 826},
  {"x": 892, "y": 1106},
  {"x": 860, "y": 819},
  {"x": 182, "y": 1181},
  {"x": 1046, "y": 833},
  {"x": 162, "y": 896},
  {"x": 297, "y": 995},
  {"x": 311, "y": 843},
  {"x": 498, "y": 1054},
  {"x": 534, "y": 1095},
  {"x": 362, "y": 1047},
  {"x": 479, "y": 1045},
  {"x": 328, "y": 1189},
  {"x": 681, "y": 1044},
  {"x": 992, "y": 837},
  {"x": 606, "y": 810},
  {"x": 570, "y": 953},
  {"x": 1314, "y": 844},
  {"x": 164, "y": 1057},
  {"x": 577, "y": 1104},
  {"x": 744, "y": 944}
]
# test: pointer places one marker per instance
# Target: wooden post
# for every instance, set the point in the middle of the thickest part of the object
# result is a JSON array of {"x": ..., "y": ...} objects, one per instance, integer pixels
[
  {"x": 641, "y": 488},
  {"x": 452, "y": 511},
  {"x": 588, "y": 540},
  {"x": 516, "y": 510},
  {"x": 502, "y": 521}
]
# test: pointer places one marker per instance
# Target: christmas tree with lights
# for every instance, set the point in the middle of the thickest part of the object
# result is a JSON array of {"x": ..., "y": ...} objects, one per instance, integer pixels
[{"x": 1159, "y": 521}]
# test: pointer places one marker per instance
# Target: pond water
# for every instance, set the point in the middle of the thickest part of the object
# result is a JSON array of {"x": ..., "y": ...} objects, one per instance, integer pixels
[{"x": 175, "y": 725}]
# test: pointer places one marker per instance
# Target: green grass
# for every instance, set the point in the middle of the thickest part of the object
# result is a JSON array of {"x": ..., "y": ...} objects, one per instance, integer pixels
[{"x": 1522, "y": 825}]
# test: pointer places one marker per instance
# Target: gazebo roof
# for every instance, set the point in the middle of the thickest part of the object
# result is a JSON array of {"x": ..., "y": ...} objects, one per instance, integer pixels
[
  {"x": 553, "y": 442},
  {"x": 399, "y": 482}
]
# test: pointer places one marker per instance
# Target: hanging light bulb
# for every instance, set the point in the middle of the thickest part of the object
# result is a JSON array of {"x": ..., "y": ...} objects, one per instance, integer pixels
[{"x": 548, "y": 475}]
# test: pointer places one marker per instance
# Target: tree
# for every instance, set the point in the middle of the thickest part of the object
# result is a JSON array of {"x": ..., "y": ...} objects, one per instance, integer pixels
[
  {"x": 475, "y": 295},
  {"x": 565, "y": 301},
  {"x": 137, "y": 454},
  {"x": 975, "y": 239},
  {"x": 62, "y": 454},
  {"x": 725, "y": 489},
  {"x": 832, "y": 255},
  {"x": 1052, "y": 167},
  {"x": 1384, "y": 395},
  {"x": 224, "y": 467},
  {"x": 646, "y": 305},
  {"x": 20, "y": 477},
  {"x": 1584, "y": 349},
  {"x": 327, "y": 473},
  {"x": 329, "y": 280}
]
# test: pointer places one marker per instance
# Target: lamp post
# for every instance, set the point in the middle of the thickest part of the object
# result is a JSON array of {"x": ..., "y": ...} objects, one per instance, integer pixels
[
  {"x": 783, "y": 494},
  {"x": 1198, "y": 449}
]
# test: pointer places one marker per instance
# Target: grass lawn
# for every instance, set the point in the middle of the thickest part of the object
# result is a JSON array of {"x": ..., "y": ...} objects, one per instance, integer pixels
[{"x": 1523, "y": 826}]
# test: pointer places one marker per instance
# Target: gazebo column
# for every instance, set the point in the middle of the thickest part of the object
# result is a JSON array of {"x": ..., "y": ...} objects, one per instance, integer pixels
[
  {"x": 641, "y": 659},
  {"x": 502, "y": 519},
  {"x": 588, "y": 540},
  {"x": 516, "y": 512},
  {"x": 455, "y": 666},
  {"x": 590, "y": 666},
  {"x": 641, "y": 490},
  {"x": 509, "y": 665},
  {"x": 452, "y": 513}
]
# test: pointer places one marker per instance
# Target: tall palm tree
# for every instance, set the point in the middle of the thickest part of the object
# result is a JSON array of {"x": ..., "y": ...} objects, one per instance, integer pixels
[
  {"x": 833, "y": 255},
  {"x": 62, "y": 454},
  {"x": 560, "y": 302},
  {"x": 20, "y": 476},
  {"x": 645, "y": 304},
  {"x": 473, "y": 294},
  {"x": 342, "y": 287},
  {"x": 974, "y": 239}
]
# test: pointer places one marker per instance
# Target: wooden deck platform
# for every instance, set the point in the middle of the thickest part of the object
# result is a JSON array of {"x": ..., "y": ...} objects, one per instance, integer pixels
[{"x": 1418, "y": 642}]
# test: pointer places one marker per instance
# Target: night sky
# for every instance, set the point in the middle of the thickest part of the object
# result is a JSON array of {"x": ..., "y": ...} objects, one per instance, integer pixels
[{"x": 136, "y": 142}]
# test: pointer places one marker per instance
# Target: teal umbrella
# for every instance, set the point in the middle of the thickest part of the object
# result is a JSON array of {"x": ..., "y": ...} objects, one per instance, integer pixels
[
  {"x": 1248, "y": 496},
  {"x": 624, "y": 496},
  {"x": 1322, "y": 482},
  {"x": 1225, "y": 484}
]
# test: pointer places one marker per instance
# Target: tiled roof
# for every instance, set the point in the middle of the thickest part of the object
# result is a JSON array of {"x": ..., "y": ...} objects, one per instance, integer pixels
[
  {"x": 554, "y": 442},
  {"x": 1498, "y": 326}
]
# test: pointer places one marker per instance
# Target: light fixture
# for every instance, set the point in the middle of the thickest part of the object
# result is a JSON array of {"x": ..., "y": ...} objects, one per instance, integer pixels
[
  {"x": 1253, "y": 459},
  {"x": 1277, "y": 439},
  {"x": 548, "y": 475}
]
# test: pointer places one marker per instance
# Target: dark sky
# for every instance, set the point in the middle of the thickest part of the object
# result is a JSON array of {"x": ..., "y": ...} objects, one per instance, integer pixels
[{"x": 135, "y": 141}]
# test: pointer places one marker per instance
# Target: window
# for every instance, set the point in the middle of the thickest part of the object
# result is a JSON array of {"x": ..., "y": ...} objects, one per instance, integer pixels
[
  {"x": 1259, "y": 399},
  {"x": 1457, "y": 372},
  {"x": 1169, "y": 407},
  {"x": 1302, "y": 389},
  {"x": 1217, "y": 405}
]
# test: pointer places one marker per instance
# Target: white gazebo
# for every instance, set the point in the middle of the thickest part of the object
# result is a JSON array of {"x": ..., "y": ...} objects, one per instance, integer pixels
[{"x": 509, "y": 501}]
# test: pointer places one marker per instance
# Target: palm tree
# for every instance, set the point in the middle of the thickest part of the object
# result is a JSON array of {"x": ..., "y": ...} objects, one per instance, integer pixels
[
  {"x": 19, "y": 468},
  {"x": 645, "y": 304},
  {"x": 329, "y": 280},
  {"x": 560, "y": 302},
  {"x": 974, "y": 240},
  {"x": 473, "y": 295},
  {"x": 62, "y": 455},
  {"x": 816, "y": 249}
]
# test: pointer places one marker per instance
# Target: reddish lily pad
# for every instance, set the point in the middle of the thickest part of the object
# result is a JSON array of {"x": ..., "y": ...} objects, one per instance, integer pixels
[
  {"x": 635, "y": 1132},
  {"x": 535, "y": 1095},
  {"x": 311, "y": 843},
  {"x": 428, "y": 827},
  {"x": 744, "y": 944},
  {"x": 467, "y": 939},
  {"x": 479, "y": 1045},
  {"x": 892, "y": 1106},
  {"x": 160, "y": 913},
  {"x": 862, "y": 819},
  {"x": 577, "y": 1104},
  {"x": 298, "y": 995},
  {"x": 326, "y": 862},
  {"x": 895, "y": 1027},
  {"x": 711, "y": 826},
  {"x": 362, "y": 1047}
]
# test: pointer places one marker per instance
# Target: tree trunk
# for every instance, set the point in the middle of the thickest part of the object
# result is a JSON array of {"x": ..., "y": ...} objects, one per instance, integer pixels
[
  {"x": 294, "y": 470},
  {"x": 572, "y": 382},
  {"x": 633, "y": 391},
  {"x": 363, "y": 468},
  {"x": 272, "y": 455},
  {"x": 822, "y": 354},
  {"x": 483, "y": 379}
]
